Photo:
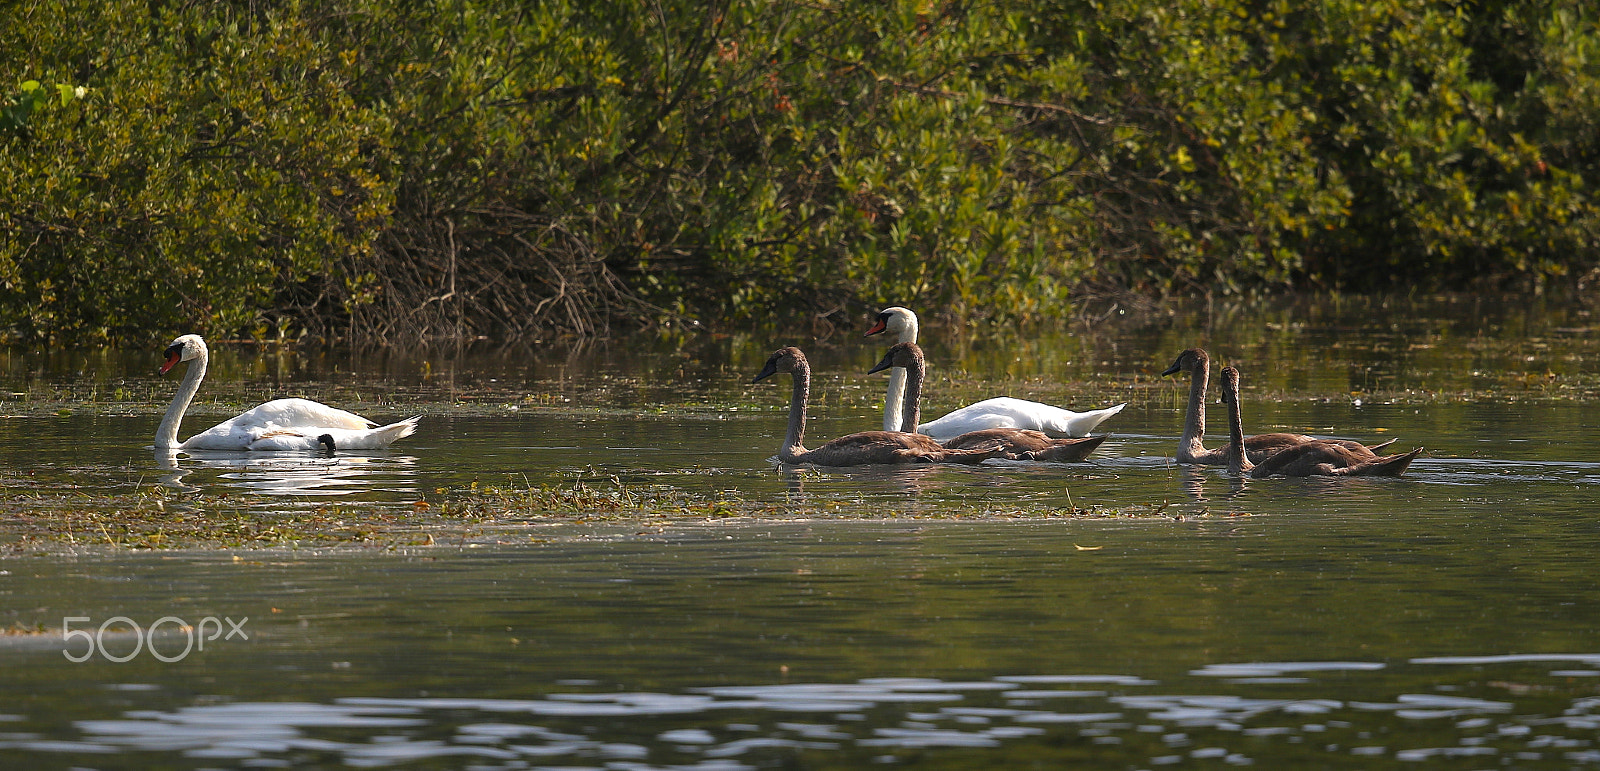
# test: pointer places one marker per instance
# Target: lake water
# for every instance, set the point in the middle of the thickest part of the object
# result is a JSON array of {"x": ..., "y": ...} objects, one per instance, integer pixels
[{"x": 894, "y": 617}]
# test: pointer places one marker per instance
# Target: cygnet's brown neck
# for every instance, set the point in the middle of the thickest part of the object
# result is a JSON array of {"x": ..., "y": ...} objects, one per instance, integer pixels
[
  {"x": 792, "y": 449},
  {"x": 1194, "y": 422}
]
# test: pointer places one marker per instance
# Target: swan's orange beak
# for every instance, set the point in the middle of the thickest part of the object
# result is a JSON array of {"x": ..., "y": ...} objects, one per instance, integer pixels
[
  {"x": 174, "y": 354},
  {"x": 877, "y": 328}
]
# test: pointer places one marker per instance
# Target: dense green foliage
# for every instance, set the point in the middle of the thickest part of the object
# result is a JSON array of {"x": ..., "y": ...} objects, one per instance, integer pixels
[{"x": 392, "y": 169}]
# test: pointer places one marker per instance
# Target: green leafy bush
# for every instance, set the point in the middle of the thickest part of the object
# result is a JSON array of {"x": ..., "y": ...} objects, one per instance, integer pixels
[{"x": 401, "y": 169}]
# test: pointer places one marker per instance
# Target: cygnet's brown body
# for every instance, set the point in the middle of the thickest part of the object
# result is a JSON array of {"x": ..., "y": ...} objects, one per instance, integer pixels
[
  {"x": 1025, "y": 444},
  {"x": 1258, "y": 448},
  {"x": 1325, "y": 458},
  {"x": 866, "y": 447},
  {"x": 1319, "y": 457}
]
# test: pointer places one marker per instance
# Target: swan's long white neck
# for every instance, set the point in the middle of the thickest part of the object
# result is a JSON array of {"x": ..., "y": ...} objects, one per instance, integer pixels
[
  {"x": 792, "y": 451},
  {"x": 893, "y": 401},
  {"x": 167, "y": 432},
  {"x": 1194, "y": 422}
]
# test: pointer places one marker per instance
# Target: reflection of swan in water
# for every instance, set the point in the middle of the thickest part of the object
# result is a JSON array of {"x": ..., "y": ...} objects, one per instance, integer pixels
[
  {"x": 305, "y": 474},
  {"x": 167, "y": 460}
]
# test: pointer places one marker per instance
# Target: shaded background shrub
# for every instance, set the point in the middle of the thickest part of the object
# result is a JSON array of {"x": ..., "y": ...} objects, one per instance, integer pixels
[{"x": 396, "y": 170}]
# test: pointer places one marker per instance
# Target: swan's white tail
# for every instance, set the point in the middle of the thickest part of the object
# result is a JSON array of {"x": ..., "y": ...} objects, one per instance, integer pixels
[
  {"x": 382, "y": 436},
  {"x": 401, "y": 429},
  {"x": 1084, "y": 422}
]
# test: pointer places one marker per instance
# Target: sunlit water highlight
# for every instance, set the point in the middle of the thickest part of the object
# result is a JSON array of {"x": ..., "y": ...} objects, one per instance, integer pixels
[{"x": 1243, "y": 719}]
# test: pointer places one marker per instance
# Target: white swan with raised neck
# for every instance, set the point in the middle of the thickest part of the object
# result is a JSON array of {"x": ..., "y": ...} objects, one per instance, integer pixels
[
  {"x": 275, "y": 426},
  {"x": 999, "y": 412}
]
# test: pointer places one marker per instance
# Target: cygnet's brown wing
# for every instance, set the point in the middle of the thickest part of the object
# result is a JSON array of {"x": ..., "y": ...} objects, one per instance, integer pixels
[
  {"x": 1316, "y": 458},
  {"x": 1386, "y": 466},
  {"x": 873, "y": 447},
  {"x": 1333, "y": 458},
  {"x": 1066, "y": 450},
  {"x": 1263, "y": 446},
  {"x": 1009, "y": 439},
  {"x": 1026, "y": 444}
]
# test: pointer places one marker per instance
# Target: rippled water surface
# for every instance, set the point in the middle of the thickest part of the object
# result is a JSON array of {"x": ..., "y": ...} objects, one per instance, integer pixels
[
  {"x": 1447, "y": 619},
  {"x": 1334, "y": 641}
]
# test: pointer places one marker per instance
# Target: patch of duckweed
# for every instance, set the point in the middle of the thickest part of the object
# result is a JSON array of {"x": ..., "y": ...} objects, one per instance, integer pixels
[
  {"x": 16, "y": 630},
  {"x": 156, "y": 519},
  {"x": 159, "y": 518}
]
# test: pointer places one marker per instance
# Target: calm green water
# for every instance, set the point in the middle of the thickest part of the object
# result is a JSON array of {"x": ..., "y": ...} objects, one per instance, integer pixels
[{"x": 1447, "y": 619}]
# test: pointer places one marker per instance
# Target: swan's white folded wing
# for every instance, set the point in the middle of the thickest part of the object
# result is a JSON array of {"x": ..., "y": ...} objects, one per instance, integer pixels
[
  {"x": 238, "y": 436},
  {"x": 1007, "y": 412},
  {"x": 227, "y": 435},
  {"x": 989, "y": 413},
  {"x": 291, "y": 416},
  {"x": 295, "y": 413},
  {"x": 282, "y": 441}
]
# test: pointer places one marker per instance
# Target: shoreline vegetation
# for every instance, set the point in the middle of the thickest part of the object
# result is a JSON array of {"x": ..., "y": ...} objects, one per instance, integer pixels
[{"x": 384, "y": 173}]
